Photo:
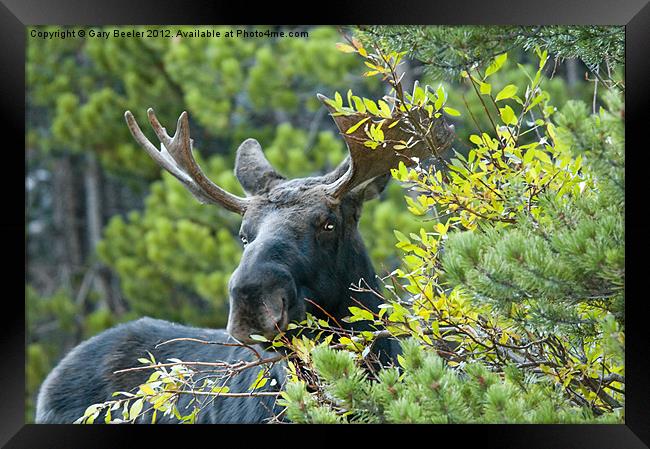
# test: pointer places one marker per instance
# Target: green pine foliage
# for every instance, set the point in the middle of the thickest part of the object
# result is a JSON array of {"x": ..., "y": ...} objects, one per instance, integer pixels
[
  {"x": 447, "y": 50},
  {"x": 425, "y": 390}
]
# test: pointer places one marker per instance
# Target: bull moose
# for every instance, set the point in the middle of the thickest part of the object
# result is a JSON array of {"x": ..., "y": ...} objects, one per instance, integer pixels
[{"x": 300, "y": 242}]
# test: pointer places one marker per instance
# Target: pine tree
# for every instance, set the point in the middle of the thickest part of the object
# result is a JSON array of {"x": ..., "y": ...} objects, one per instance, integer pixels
[
  {"x": 424, "y": 390},
  {"x": 446, "y": 51}
]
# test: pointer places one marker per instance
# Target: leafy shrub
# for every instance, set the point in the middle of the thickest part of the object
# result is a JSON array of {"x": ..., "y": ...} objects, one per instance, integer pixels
[
  {"x": 522, "y": 272},
  {"x": 425, "y": 390}
]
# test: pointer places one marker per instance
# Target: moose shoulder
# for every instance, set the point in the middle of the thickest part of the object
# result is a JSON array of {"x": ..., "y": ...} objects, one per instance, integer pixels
[{"x": 302, "y": 252}]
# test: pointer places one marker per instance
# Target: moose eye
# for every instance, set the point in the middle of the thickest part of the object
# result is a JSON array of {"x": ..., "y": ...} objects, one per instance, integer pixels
[{"x": 328, "y": 226}]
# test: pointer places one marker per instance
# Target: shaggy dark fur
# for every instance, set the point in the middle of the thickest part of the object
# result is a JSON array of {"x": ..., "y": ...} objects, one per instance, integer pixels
[{"x": 85, "y": 376}]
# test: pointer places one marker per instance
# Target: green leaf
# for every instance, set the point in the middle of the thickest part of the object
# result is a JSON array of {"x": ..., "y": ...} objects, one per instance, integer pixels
[
  {"x": 476, "y": 139},
  {"x": 146, "y": 389},
  {"x": 508, "y": 115},
  {"x": 358, "y": 104},
  {"x": 259, "y": 381},
  {"x": 354, "y": 127},
  {"x": 507, "y": 92},
  {"x": 485, "y": 88},
  {"x": 400, "y": 236},
  {"x": 543, "y": 57},
  {"x": 496, "y": 64},
  {"x": 371, "y": 106},
  {"x": 384, "y": 109},
  {"x": 403, "y": 171},
  {"x": 91, "y": 410},
  {"x": 339, "y": 100},
  {"x": 451, "y": 111},
  {"x": 218, "y": 389},
  {"x": 418, "y": 95},
  {"x": 258, "y": 337},
  {"x": 360, "y": 314},
  {"x": 345, "y": 48},
  {"x": 154, "y": 376},
  {"x": 441, "y": 97},
  {"x": 528, "y": 156},
  {"x": 135, "y": 409}
]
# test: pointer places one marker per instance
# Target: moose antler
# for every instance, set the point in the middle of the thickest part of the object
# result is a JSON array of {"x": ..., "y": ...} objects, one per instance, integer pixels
[
  {"x": 366, "y": 164},
  {"x": 176, "y": 157}
]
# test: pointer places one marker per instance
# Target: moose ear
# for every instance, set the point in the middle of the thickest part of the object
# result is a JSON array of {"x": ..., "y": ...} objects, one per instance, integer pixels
[
  {"x": 254, "y": 172},
  {"x": 372, "y": 189}
]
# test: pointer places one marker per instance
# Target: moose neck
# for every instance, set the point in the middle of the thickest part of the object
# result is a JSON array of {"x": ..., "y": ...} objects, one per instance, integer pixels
[{"x": 356, "y": 280}]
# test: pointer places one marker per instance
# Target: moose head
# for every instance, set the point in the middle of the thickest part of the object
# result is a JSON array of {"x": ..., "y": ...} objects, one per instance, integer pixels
[{"x": 302, "y": 247}]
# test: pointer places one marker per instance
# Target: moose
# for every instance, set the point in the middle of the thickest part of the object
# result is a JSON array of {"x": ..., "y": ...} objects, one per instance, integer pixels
[{"x": 302, "y": 253}]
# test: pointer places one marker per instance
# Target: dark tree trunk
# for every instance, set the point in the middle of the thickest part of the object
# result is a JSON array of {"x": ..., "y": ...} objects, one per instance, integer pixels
[
  {"x": 572, "y": 72},
  {"x": 64, "y": 208},
  {"x": 95, "y": 222}
]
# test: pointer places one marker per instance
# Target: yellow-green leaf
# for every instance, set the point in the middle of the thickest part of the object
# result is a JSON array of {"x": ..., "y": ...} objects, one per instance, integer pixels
[
  {"x": 358, "y": 104},
  {"x": 496, "y": 64},
  {"x": 451, "y": 111},
  {"x": 384, "y": 109},
  {"x": 508, "y": 115},
  {"x": 338, "y": 99},
  {"x": 360, "y": 314},
  {"x": 258, "y": 337},
  {"x": 345, "y": 48},
  {"x": 146, "y": 389},
  {"x": 507, "y": 92},
  {"x": 354, "y": 127},
  {"x": 218, "y": 389},
  {"x": 135, "y": 409},
  {"x": 475, "y": 139},
  {"x": 371, "y": 106}
]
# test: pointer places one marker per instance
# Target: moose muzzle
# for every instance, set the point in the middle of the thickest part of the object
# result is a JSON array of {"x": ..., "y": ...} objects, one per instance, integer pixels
[{"x": 259, "y": 302}]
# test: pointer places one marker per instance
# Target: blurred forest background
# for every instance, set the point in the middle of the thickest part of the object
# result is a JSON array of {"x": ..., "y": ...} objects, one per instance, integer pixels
[{"x": 110, "y": 237}]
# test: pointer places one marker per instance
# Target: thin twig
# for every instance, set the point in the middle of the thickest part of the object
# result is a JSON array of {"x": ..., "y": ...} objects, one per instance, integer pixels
[
  {"x": 207, "y": 342},
  {"x": 227, "y": 395},
  {"x": 233, "y": 367}
]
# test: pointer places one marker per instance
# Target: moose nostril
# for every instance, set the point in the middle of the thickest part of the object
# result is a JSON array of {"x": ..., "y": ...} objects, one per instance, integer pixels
[
  {"x": 283, "y": 321},
  {"x": 283, "y": 309}
]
